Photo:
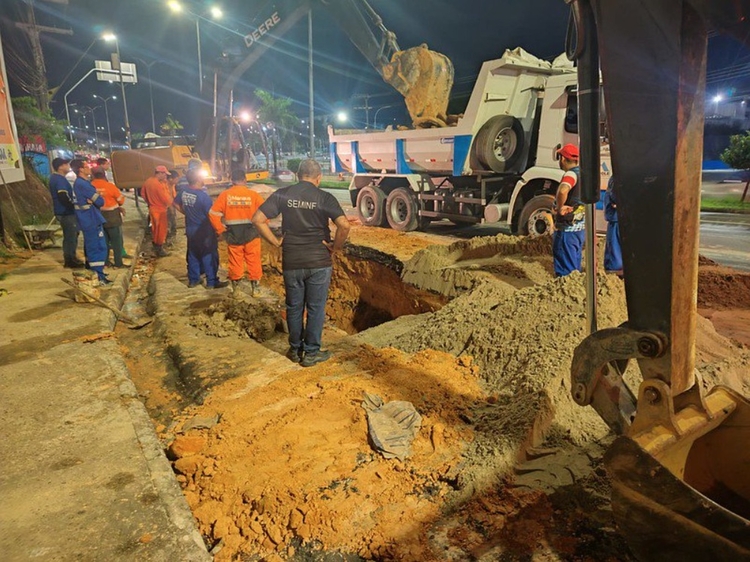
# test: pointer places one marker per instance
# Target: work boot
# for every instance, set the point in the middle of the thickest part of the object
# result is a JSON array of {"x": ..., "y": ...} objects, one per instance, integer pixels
[
  {"x": 254, "y": 288},
  {"x": 159, "y": 251},
  {"x": 294, "y": 355},
  {"x": 220, "y": 285},
  {"x": 311, "y": 359}
]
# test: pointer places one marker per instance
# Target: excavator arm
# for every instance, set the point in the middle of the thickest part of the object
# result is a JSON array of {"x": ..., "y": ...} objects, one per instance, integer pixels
[
  {"x": 422, "y": 76},
  {"x": 681, "y": 486}
]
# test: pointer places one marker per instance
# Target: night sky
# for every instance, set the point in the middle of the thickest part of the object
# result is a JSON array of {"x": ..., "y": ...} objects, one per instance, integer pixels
[{"x": 467, "y": 31}]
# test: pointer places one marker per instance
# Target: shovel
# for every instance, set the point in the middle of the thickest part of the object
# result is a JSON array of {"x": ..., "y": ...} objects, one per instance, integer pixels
[{"x": 132, "y": 323}]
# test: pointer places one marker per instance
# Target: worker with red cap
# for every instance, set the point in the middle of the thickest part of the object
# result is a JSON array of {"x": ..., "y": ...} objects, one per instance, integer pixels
[
  {"x": 567, "y": 241},
  {"x": 236, "y": 206},
  {"x": 156, "y": 194}
]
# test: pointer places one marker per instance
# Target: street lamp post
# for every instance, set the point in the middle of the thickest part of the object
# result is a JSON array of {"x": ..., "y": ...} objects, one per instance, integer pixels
[
  {"x": 106, "y": 112},
  {"x": 151, "y": 90},
  {"x": 113, "y": 37},
  {"x": 216, "y": 14},
  {"x": 375, "y": 121},
  {"x": 93, "y": 119}
]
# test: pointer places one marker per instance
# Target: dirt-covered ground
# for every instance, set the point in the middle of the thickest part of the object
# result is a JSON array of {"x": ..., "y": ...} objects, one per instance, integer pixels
[{"x": 276, "y": 462}]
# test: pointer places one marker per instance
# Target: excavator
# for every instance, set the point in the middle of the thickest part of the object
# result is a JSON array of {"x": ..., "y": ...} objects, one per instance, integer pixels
[
  {"x": 424, "y": 77},
  {"x": 680, "y": 464}
]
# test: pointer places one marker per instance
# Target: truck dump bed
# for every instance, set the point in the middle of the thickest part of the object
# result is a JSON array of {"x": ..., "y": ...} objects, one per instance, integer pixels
[{"x": 510, "y": 86}]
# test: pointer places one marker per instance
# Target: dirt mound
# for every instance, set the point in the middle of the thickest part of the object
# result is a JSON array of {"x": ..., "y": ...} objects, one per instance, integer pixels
[
  {"x": 721, "y": 288},
  {"x": 241, "y": 315},
  {"x": 293, "y": 461},
  {"x": 461, "y": 266}
]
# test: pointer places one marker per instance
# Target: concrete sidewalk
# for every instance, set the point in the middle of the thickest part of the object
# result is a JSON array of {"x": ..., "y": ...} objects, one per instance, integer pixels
[{"x": 82, "y": 474}]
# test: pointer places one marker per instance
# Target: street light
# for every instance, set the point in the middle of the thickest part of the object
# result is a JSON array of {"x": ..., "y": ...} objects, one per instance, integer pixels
[
  {"x": 113, "y": 37},
  {"x": 106, "y": 112},
  {"x": 215, "y": 12},
  {"x": 716, "y": 100},
  {"x": 151, "y": 90},
  {"x": 375, "y": 121},
  {"x": 341, "y": 116},
  {"x": 93, "y": 118}
]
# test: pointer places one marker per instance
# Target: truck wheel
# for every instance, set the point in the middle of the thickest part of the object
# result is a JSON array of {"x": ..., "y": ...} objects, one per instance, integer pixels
[
  {"x": 401, "y": 210},
  {"x": 370, "y": 206},
  {"x": 537, "y": 218},
  {"x": 499, "y": 143}
]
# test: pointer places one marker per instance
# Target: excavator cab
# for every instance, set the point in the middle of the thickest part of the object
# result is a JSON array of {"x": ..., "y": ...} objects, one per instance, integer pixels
[{"x": 680, "y": 466}]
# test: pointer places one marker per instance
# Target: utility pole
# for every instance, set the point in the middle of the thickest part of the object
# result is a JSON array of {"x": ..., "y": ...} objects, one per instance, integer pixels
[
  {"x": 310, "y": 79},
  {"x": 40, "y": 88},
  {"x": 366, "y": 107}
]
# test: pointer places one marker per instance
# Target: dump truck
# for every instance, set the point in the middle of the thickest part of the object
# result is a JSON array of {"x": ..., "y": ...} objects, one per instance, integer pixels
[{"x": 498, "y": 164}]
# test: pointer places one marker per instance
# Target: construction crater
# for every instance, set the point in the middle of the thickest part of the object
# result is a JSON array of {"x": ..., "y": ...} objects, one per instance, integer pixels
[{"x": 280, "y": 462}]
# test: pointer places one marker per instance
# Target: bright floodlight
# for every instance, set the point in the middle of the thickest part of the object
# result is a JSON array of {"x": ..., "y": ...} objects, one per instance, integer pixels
[
  {"x": 245, "y": 116},
  {"x": 342, "y": 116},
  {"x": 109, "y": 37},
  {"x": 174, "y": 6},
  {"x": 718, "y": 98},
  {"x": 216, "y": 12}
]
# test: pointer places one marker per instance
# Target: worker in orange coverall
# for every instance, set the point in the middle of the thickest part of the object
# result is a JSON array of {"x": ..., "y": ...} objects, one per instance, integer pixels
[
  {"x": 157, "y": 195},
  {"x": 112, "y": 211},
  {"x": 236, "y": 207}
]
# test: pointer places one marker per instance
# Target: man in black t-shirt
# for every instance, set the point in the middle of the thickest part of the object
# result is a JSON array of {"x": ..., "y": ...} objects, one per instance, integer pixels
[{"x": 306, "y": 256}]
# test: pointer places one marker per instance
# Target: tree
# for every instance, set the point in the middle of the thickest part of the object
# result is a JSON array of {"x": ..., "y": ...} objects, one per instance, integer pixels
[
  {"x": 275, "y": 113},
  {"x": 32, "y": 122},
  {"x": 737, "y": 156},
  {"x": 171, "y": 126}
]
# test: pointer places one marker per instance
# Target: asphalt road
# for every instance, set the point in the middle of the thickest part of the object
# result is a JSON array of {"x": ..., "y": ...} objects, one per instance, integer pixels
[{"x": 724, "y": 237}]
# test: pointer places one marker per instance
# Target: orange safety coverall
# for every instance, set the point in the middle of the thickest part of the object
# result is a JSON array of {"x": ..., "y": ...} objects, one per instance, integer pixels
[
  {"x": 156, "y": 194},
  {"x": 113, "y": 197},
  {"x": 236, "y": 206}
]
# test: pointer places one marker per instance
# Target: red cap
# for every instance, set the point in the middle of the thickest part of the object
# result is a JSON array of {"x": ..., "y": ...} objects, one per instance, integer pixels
[
  {"x": 569, "y": 151},
  {"x": 162, "y": 169}
]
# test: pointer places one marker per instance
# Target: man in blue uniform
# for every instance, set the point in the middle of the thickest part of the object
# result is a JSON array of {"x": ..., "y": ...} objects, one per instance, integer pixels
[
  {"x": 306, "y": 256},
  {"x": 567, "y": 241},
  {"x": 203, "y": 246},
  {"x": 90, "y": 219},
  {"x": 65, "y": 212},
  {"x": 612, "y": 249}
]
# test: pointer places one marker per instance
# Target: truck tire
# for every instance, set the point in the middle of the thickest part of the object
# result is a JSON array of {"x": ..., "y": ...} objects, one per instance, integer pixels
[
  {"x": 401, "y": 210},
  {"x": 537, "y": 218},
  {"x": 499, "y": 143},
  {"x": 371, "y": 206}
]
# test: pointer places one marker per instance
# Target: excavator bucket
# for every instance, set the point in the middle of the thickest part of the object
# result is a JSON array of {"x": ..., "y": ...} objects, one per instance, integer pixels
[
  {"x": 425, "y": 79},
  {"x": 681, "y": 482},
  {"x": 680, "y": 468}
]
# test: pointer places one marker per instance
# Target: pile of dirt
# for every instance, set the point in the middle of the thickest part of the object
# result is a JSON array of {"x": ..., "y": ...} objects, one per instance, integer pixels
[
  {"x": 291, "y": 461},
  {"x": 461, "y": 266},
  {"x": 241, "y": 315}
]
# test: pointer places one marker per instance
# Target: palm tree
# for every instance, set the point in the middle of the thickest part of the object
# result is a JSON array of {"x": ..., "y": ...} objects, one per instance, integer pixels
[
  {"x": 170, "y": 126},
  {"x": 279, "y": 119}
]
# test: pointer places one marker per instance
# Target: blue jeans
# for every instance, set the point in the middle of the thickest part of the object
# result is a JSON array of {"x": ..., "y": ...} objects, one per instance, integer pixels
[
  {"x": 69, "y": 225},
  {"x": 306, "y": 289},
  {"x": 566, "y": 251}
]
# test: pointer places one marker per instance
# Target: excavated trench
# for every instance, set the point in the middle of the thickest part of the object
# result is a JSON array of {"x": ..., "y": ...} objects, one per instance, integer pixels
[{"x": 476, "y": 334}]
